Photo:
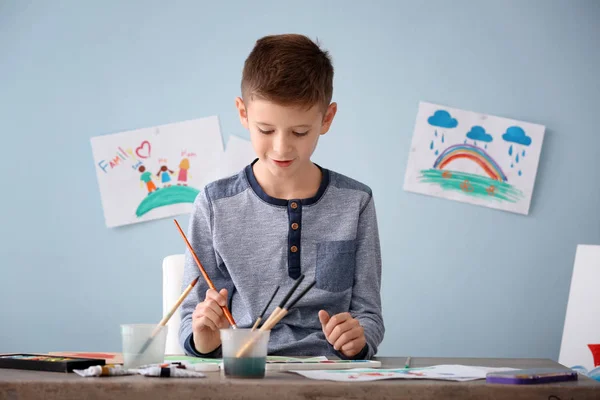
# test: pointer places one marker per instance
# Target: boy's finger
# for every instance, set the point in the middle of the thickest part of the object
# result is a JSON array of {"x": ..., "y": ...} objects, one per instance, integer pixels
[
  {"x": 347, "y": 337},
  {"x": 206, "y": 321},
  {"x": 213, "y": 295},
  {"x": 201, "y": 306},
  {"x": 223, "y": 292},
  {"x": 202, "y": 323},
  {"x": 341, "y": 329},
  {"x": 211, "y": 304},
  {"x": 323, "y": 318},
  {"x": 335, "y": 321},
  {"x": 353, "y": 347},
  {"x": 210, "y": 293},
  {"x": 210, "y": 313}
]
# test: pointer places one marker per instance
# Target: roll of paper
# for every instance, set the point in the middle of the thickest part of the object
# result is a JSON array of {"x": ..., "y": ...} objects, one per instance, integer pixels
[{"x": 172, "y": 289}]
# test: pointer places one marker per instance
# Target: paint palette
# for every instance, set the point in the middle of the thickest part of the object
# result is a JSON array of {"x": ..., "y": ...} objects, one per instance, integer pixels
[
  {"x": 45, "y": 362},
  {"x": 292, "y": 365}
]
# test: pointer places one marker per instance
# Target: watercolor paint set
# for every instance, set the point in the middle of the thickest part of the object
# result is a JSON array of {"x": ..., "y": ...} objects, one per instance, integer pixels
[{"x": 45, "y": 362}]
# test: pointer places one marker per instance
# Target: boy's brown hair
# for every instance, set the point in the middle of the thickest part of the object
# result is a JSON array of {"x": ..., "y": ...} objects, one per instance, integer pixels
[{"x": 288, "y": 69}]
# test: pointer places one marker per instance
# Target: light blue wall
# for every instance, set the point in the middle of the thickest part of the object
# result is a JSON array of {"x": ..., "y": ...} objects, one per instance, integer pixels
[{"x": 459, "y": 280}]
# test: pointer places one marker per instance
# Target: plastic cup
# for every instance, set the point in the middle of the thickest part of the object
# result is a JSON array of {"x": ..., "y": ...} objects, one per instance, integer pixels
[
  {"x": 252, "y": 364},
  {"x": 139, "y": 349}
]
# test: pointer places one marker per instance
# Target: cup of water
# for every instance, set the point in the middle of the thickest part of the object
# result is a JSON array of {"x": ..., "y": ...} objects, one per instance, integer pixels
[
  {"x": 251, "y": 364},
  {"x": 140, "y": 347}
]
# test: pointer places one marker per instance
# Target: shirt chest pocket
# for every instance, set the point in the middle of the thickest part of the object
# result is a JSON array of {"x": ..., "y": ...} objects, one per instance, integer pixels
[{"x": 336, "y": 262}]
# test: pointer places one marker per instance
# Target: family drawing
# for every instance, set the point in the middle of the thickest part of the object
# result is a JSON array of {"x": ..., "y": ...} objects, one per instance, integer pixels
[{"x": 164, "y": 174}]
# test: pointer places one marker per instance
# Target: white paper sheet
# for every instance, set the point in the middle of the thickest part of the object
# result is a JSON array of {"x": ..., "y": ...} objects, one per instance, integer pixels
[
  {"x": 581, "y": 334},
  {"x": 442, "y": 372},
  {"x": 126, "y": 196},
  {"x": 238, "y": 154},
  {"x": 474, "y": 158}
]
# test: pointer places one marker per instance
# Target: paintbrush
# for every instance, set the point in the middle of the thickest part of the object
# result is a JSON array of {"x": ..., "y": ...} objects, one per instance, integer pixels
[
  {"x": 271, "y": 322},
  {"x": 285, "y": 299},
  {"x": 264, "y": 310},
  {"x": 205, "y": 275},
  {"x": 166, "y": 318}
]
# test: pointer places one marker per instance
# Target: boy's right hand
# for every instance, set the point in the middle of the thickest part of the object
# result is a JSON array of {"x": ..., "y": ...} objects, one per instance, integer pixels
[{"x": 207, "y": 319}]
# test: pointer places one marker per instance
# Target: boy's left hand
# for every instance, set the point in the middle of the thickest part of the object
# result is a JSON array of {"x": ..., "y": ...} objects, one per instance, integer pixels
[{"x": 345, "y": 333}]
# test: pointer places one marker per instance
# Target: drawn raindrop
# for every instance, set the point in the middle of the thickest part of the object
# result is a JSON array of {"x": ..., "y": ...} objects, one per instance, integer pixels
[
  {"x": 519, "y": 172},
  {"x": 442, "y": 138},
  {"x": 431, "y": 145},
  {"x": 517, "y": 159},
  {"x": 512, "y": 165},
  {"x": 465, "y": 141},
  {"x": 510, "y": 150},
  {"x": 475, "y": 143},
  {"x": 436, "y": 152},
  {"x": 523, "y": 153},
  {"x": 486, "y": 146},
  {"x": 436, "y": 133}
]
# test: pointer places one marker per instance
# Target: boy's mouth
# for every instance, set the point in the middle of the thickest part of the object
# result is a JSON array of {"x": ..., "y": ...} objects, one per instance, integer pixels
[{"x": 282, "y": 163}]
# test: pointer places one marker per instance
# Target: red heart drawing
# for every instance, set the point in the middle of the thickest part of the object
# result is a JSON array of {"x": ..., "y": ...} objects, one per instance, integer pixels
[{"x": 144, "y": 148}]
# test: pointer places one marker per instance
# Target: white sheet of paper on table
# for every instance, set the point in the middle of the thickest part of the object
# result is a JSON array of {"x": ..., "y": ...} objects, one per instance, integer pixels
[{"x": 440, "y": 372}]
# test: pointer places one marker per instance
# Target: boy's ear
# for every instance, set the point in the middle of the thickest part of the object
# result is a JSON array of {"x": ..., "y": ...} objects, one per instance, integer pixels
[
  {"x": 328, "y": 118},
  {"x": 243, "y": 113}
]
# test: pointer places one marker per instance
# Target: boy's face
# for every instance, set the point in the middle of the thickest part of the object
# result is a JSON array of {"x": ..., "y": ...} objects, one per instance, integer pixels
[{"x": 284, "y": 137}]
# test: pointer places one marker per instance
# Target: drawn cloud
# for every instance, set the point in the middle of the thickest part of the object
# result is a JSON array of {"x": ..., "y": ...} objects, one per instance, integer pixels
[
  {"x": 478, "y": 133},
  {"x": 517, "y": 135},
  {"x": 443, "y": 119}
]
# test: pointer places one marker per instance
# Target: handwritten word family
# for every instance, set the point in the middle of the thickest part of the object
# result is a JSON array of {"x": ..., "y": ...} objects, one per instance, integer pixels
[{"x": 141, "y": 152}]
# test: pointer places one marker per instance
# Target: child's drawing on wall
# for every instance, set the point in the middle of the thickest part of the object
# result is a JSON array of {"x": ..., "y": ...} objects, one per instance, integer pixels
[
  {"x": 162, "y": 157},
  {"x": 146, "y": 177},
  {"x": 474, "y": 158},
  {"x": 165, "y": 175},
  {"x": 182, "y": 177}
]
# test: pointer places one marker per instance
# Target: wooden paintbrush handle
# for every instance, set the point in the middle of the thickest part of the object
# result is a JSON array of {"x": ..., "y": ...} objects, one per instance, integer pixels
[
  {"x": 176, "y": 306},
  {"x": 273, "y": 314},
  {"x": 205, "y": 275},
  {"x": 247, "y": 347},
  {"x": 270, "y": 324}
]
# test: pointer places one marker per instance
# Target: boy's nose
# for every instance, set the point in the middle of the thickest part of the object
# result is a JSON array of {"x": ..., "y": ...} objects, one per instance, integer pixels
[{"x": 281, "y": 143}]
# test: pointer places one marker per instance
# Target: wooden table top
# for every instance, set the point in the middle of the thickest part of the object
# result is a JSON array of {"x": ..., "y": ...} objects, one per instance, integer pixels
[{"x": 22, "y": 384}]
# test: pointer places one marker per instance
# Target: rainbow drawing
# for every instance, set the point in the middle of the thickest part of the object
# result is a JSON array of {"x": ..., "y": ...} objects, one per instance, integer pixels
[
  {"x": 470, "y": 152},
  {"x": 473, "y": 158}
]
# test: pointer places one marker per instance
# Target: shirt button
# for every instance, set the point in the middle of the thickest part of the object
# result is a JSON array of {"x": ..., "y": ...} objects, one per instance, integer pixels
[
  {"x": 294, "y": 205},
  {"x": 295, "y": 226},
  {"x": 293, "y": 249}
]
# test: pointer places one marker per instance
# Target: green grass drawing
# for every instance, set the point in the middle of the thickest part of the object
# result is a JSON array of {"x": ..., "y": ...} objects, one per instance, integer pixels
[
  {"x": 167, "y": 196},
  {"x": 472, "y": 185}
]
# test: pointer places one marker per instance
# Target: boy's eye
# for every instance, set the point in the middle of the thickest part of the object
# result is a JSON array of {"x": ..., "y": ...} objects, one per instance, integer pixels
[
  {"x": 265, "y": 132},
  {"x": 301, "y": 133}
]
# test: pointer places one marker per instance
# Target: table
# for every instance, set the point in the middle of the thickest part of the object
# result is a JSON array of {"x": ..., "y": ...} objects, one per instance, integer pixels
[{"x": 22, "y": 384}]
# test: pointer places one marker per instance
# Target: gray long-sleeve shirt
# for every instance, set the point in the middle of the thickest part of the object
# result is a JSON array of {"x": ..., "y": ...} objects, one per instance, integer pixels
[{"x": 250, "y": 242}]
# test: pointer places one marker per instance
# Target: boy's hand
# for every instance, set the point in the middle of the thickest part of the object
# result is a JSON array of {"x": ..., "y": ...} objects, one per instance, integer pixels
[
  {"x": 207, "y": 319},
  {"x": 345, "y": 333}
]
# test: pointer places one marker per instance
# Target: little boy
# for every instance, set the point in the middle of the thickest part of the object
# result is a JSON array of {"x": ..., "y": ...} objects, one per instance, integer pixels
[{"x": 283, "y": 216}]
